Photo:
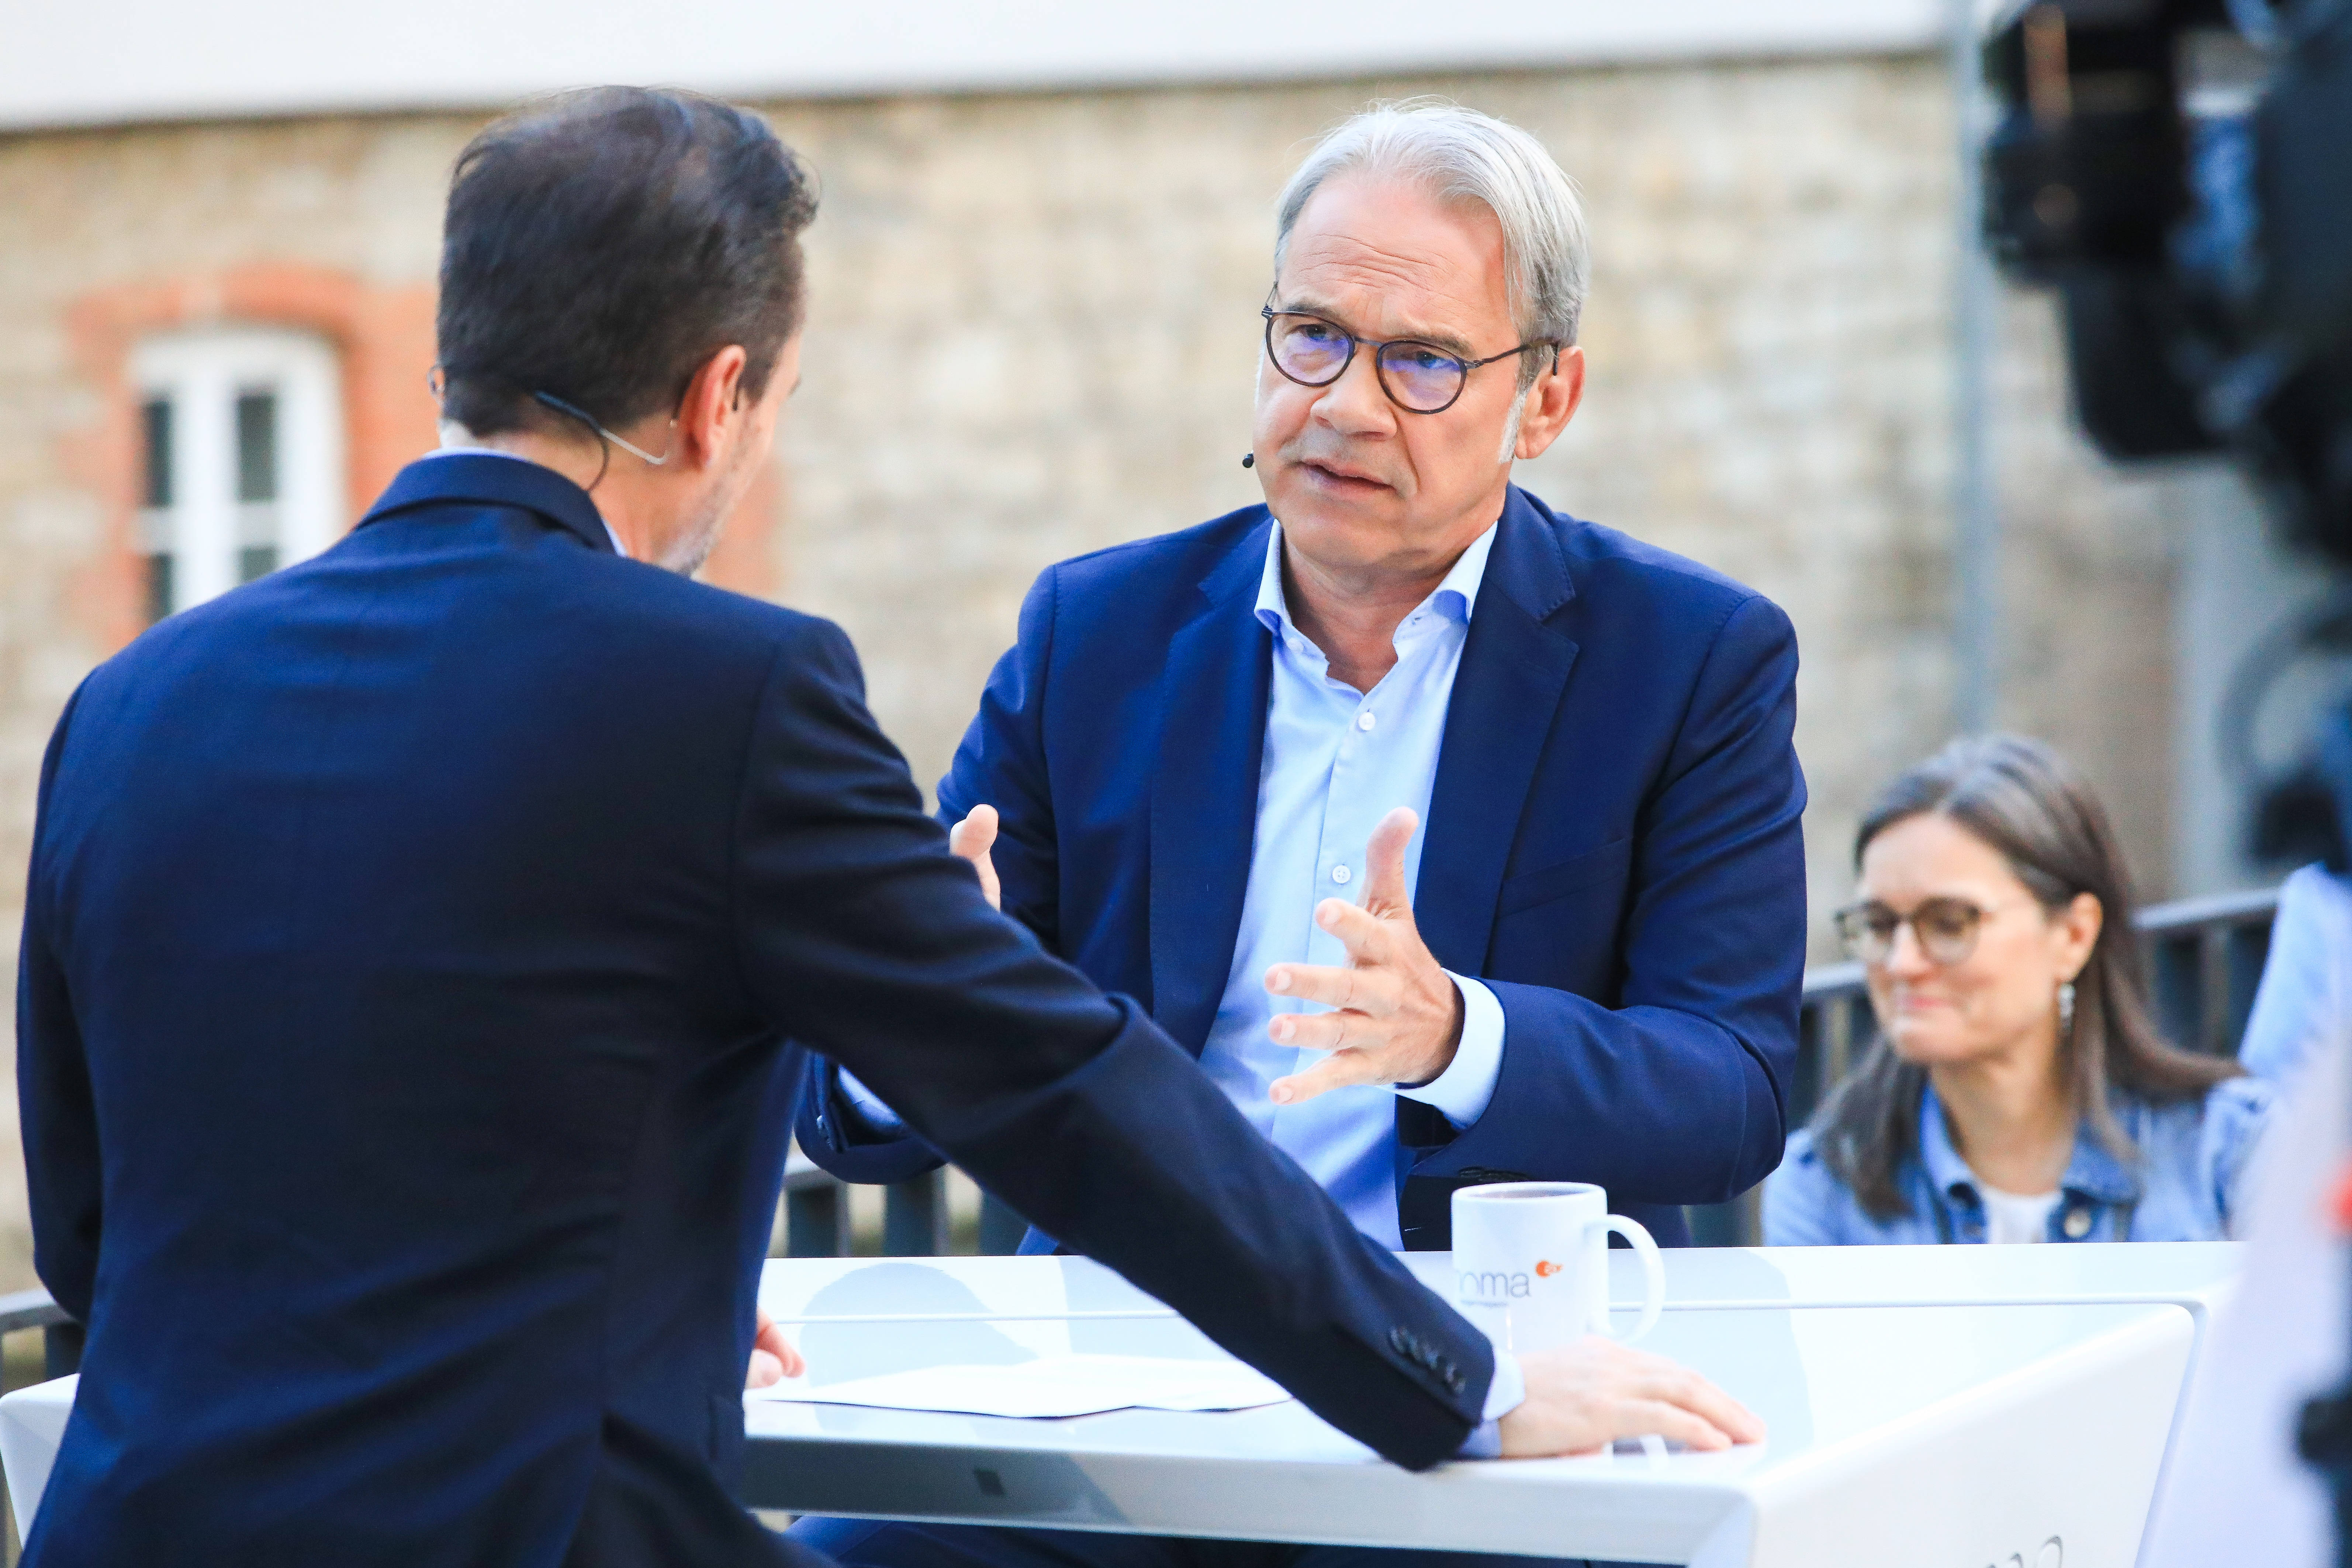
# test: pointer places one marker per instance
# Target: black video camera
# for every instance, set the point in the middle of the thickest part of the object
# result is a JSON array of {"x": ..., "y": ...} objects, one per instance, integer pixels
[{"x": 2181, "y": 172}]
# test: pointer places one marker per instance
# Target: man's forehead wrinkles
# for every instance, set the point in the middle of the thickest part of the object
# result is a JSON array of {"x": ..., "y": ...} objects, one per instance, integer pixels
[
  {"x": 1433, "y": 294},
  {"x": 1347, "y": 260}
]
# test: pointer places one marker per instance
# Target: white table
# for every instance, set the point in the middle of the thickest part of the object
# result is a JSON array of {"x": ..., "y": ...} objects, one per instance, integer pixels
[
  {"x": 1929, "y": 1406},
  {"x": 1941, "y": 1408}
]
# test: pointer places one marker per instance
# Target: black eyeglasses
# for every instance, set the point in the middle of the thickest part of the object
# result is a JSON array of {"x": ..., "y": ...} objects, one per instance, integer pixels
[
  {"x": 1946, "y": 929},
  {"x": 1419, "y": 378}
]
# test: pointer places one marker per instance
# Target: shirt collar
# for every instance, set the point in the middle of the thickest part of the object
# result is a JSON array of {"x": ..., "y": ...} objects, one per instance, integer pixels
[
  {"x": 1945, "y": 1169},
  {"x": 2090, "y": 1170},
  {"x": 1456, "y": 596}
]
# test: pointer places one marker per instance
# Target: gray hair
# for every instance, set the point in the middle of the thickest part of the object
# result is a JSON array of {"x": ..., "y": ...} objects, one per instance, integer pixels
[{"x": 1461, "y": 154}]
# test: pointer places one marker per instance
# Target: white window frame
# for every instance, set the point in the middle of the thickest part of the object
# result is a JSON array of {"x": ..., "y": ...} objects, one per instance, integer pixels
[{"x": 201, "y": 372}]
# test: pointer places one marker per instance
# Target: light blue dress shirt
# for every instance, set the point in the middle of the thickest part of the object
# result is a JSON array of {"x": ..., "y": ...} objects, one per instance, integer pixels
[{"x": 1337, "y": 761}]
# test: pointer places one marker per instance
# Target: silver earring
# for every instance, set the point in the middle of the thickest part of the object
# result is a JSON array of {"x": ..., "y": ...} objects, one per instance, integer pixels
[{"x": 2065, "y": 1011}]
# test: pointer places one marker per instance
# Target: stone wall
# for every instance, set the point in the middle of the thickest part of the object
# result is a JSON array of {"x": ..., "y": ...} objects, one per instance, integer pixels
[{"x": 1034, "y": 331}]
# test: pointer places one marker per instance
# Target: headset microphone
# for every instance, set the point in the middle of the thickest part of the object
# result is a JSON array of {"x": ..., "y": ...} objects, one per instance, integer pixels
[{"x": 1250, "y": 460}]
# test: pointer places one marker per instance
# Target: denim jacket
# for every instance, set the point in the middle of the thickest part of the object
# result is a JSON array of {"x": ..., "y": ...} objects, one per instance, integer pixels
[{"x": 2186, "y": 1185}]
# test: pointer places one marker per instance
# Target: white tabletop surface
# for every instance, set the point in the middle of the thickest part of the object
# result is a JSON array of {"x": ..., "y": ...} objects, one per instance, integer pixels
[
  {"x": 1943, "y": 1407},
  {"x": 2047, "y": 1374}
]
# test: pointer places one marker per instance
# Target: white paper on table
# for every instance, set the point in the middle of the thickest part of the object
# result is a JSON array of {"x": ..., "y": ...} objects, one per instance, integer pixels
[{"x": 1050, "y": 1386}]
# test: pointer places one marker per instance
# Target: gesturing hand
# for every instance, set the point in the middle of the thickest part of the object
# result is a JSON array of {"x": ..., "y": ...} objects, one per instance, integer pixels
[
  {"x": 972, "y": 838},
  {"x": 1596, "y": 1391},
  {"x": 1400, "y": 1016},
  {"x": 773, "y": 1358}
]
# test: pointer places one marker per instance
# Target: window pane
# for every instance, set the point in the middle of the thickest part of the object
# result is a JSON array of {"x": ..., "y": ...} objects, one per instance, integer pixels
[
  {"x": 257, "y": 446},
  {"x": 155, "y": 417},
  {"x": 256, "y": 560}
]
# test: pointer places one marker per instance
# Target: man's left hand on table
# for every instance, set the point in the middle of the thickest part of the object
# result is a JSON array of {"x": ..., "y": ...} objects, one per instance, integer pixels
[
  {"x": 1398, "y": 1018},
  {"x": 773, "y": 1358}
]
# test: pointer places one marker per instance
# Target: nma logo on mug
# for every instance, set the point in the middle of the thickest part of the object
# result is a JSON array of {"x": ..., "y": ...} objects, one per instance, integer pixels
[{"x": 1497, "y": 1288}]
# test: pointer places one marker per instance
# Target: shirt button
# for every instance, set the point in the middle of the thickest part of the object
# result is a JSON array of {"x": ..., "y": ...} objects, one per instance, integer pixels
[
  {"x": 1365, "y": 720},
  {"x": 2077, "y": 1224},
  {"x": 1339, "y": 874}
]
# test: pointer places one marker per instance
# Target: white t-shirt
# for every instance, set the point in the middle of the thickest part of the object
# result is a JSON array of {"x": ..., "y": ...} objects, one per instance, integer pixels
[{"x": 2012, "y": 1217}]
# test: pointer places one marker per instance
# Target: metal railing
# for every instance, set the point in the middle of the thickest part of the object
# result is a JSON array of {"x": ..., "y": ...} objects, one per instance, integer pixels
[
  {"x": 60, "y": 1335},
  {"x": 2205, "y": 959},
  {"x": 917, "y": 1219}
]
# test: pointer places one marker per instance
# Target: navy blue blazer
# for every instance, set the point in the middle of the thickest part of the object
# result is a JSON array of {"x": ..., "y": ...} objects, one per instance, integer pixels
[
  {"x": 410, "y": 948},
  {"x": 1614, "y": 845}
]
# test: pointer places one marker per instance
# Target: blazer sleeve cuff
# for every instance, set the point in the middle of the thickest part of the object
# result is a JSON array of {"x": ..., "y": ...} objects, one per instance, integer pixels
[{"x": 1464, "y": 1090}]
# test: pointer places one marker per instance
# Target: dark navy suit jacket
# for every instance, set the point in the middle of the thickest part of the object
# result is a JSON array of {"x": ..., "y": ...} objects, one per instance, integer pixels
[
  {"x": 1612, "y": 846},
  {"x": 410, "y": 948}
]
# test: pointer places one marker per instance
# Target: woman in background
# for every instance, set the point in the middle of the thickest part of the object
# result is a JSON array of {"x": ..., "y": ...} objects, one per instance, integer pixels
[{"x": 2018, "y": 1091}]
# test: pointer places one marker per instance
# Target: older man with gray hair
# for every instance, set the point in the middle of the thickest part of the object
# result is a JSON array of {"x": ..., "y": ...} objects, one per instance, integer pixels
[{"x": 1458, "y": 838}]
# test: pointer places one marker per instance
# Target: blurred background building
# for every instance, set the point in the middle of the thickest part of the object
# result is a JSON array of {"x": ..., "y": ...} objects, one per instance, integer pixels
[{"x": 1035, "y": 282}]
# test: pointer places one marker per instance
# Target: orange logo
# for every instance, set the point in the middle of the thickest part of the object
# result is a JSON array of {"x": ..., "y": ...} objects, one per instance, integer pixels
[{"x": 1546, "y": 1270}]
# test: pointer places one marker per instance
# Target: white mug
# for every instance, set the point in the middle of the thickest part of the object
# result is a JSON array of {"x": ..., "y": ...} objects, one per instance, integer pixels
[{"x": 1531, "y": 1263}]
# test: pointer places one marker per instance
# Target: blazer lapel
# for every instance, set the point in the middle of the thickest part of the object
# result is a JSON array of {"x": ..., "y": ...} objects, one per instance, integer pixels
[
  {"x": 1505, "y": 696},
  {"x": 1213, "y": 697}
]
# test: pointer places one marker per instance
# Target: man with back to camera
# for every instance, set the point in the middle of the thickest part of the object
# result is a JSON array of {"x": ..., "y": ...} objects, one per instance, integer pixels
[
  {"x": 1205, "y": 749},
  {"x": 411, "y": 938}
]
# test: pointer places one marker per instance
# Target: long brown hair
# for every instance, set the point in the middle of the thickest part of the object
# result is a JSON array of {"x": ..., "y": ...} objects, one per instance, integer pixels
[{"x": 2024, "y": 800}]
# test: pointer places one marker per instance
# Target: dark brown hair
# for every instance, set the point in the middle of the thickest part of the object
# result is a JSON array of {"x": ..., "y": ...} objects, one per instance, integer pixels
[
  {"x": 599, "y": 245},
  {"x": 2024, "y": 800}
]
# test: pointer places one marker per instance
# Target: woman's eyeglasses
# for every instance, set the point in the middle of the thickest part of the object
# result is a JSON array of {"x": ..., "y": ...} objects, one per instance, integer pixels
[
  {"x": 1945, "y": 929},
  {"x": 1421, "y": 378}
]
